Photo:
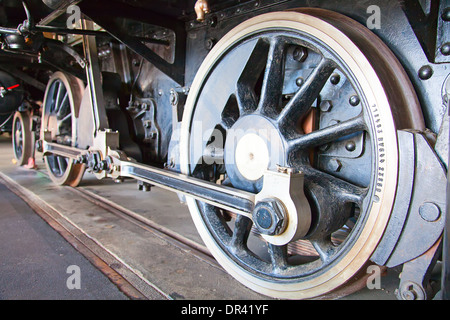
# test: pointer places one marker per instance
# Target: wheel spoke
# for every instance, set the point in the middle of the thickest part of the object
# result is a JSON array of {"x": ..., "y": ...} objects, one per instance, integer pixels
[
  {"x": 19, "y": 148},
  {"x": 226, "y": 123},
  {"x": 301, "y": 102},
  {"x": 62, "y": 165},
  {"x": 67, "y": 117},
  {"x": 328, "y": 134},
  {"x": 341, "y": 190},
  {"x": 62, "y": 105},
  {"x": 245, "y": 86},
  {"x": 325, "y": 248},
  {"x": 212, "y": 102},
  {"x": 241, "y": 233},
  {"x": 57, "y": 106},
  {"x": 18, "y": 138},
  {"x": 272, "y": 87},
  {"x": 52, "y": 159},
  {"x": 278, "y": 257},
  {"x": 18, "y": 131}
]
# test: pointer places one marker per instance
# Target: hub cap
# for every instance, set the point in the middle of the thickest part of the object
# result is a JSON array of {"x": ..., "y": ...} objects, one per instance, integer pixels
[{"x": 253, "y": 145}]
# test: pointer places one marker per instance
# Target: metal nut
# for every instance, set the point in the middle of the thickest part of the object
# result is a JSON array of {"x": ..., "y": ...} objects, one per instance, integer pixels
[
  {"x": 335, "y": 165},
  {"x": 325, "y": 106},
  {"x": 269, "y": 216},
  {"x": 300, "y": 54},
  {"x": 411, "y": 291}
]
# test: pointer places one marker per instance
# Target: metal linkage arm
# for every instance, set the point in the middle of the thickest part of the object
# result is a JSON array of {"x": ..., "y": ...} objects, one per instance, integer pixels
[
  {"x": 234, "y": 200},
  {"x": 280, "y": 212},
  {"x": 230, "y": 199}
]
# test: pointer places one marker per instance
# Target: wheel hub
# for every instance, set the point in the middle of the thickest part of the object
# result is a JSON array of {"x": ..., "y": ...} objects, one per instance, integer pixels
[
  {"x": 18, "y": 136},
  {"x": 253, "y": 145},
  {"x": 270, "y": 217},
  {"x": 53, "y": 125},
  {"x": 252, "y": 156}
]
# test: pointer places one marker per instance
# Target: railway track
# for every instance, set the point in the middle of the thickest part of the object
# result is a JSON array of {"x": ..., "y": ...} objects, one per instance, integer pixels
[
  {"x": 146, "y": 224},
  {"x": 117, "y": 259}
]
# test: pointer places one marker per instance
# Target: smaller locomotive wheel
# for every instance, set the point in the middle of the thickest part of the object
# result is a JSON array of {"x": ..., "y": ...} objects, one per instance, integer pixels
[
  {"x": 22, "y": 138},
  {"x": 59, "y": 121}
]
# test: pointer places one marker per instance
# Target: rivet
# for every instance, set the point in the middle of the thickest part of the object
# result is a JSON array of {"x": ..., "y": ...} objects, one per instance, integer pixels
[
  {"x": 445, "y": 49},
  {"x": 425, "y": 72},
  {"x": 354, "y": 100},
  {"x": 299, "y": 81},
  {"x": 350, "y": 146},
  {"x": 335, "y": 78}
]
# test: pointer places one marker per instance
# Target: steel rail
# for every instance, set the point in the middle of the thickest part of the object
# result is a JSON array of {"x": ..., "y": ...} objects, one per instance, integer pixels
[{"x": 173, "y": 237}]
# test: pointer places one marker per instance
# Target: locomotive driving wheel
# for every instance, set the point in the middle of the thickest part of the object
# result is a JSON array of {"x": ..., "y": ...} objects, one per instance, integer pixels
[
  {"x": 22, "y": 137},
  {"x": 315, "y": 92},
  {"x": 59, "y": 123}
]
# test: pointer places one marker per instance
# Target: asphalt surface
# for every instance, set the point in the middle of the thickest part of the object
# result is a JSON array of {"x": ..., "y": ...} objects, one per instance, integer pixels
[{"x": 36, "y": 263}]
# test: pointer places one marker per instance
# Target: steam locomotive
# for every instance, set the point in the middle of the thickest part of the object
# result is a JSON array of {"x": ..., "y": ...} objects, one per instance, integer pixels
[{"x": 309, "y": 138}]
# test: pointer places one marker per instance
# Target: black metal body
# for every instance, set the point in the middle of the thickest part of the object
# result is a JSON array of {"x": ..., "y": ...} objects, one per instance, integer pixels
[
  {"x": 418, "y": 46},
  {"x": 414, "y": 45}
]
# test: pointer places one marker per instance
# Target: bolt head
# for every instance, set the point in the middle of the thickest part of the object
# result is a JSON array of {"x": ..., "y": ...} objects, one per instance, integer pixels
[
  {"x": 209, "y": 43},
  {"x": 325, "y": 105},
  {"x": 269, "y": 216},
  {"x": 335, "y": 165},
  {"x": 409, "y": 295},
  {"x": 300, "y": 54},
  {"x": 411, "y": 291},
  {"x": 324, "y": 147},
  {"x": 264, "y": 218}
]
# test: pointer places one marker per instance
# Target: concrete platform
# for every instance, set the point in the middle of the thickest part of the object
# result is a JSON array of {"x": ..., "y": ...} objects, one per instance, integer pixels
[
  {"x": 38, "y": 264},
  {"x": 156, "y": 265}
]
